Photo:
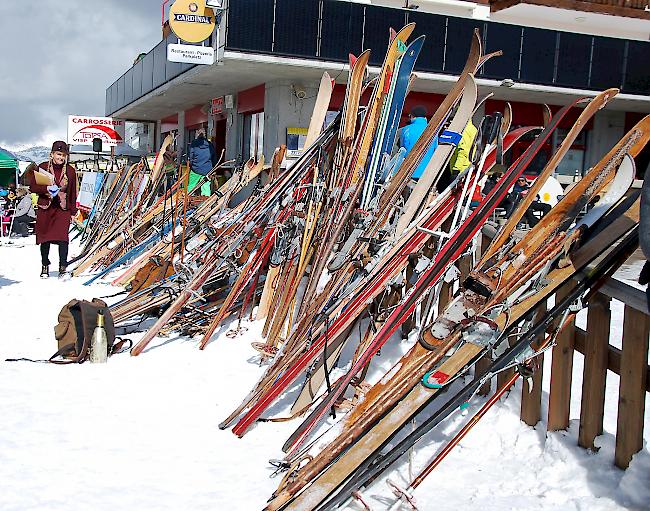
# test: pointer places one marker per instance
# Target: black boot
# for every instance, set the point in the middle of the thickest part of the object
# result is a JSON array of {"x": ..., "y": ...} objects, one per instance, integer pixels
[
  {"x": 63, "y": 274},
  {"x": 45, "y": 271}
]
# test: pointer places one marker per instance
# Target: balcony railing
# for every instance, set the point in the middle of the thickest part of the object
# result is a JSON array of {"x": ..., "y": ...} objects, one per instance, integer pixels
[
  {"x": 330, "y": 29},
  {"x": 148, "y": 74}
]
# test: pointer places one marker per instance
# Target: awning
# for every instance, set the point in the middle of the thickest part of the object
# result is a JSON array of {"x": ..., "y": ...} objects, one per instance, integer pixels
[{"x": 8, "y": 166}]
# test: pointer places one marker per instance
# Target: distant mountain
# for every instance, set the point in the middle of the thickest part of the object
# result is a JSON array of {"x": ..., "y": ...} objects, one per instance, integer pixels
[{"x": 37, "y": 154}]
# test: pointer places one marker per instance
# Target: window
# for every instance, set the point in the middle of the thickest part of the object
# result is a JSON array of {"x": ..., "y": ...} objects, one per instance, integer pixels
[{"x": 253, "y": 140}]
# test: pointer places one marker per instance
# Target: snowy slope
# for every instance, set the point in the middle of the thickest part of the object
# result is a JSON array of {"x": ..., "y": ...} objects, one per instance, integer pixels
[
  {"x": 34, "y": 153},
  {"x": 141, "y": 433}
]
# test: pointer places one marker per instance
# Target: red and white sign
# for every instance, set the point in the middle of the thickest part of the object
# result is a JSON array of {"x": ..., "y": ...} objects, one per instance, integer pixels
[
  {"x": 217, "y": 106},
  {"x": 82, "y": 129}
]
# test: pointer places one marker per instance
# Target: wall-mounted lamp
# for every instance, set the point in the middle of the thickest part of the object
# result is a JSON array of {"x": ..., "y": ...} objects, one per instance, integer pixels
[{"x": 299, "y": 92}]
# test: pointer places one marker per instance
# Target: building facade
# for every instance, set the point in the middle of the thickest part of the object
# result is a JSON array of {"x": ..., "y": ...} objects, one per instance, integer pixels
[{"x": 272, "y": 53}]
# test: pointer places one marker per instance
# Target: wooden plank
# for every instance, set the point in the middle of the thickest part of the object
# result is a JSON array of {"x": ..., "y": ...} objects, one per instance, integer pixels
[
  {"x": 631, "y": 396},
  {"x": 531, "y": 398},
  {"x": 625, "y": 293},
  {"x": 613, "y": 355},
  {"x": 561, "y": 371},
  {"x": 504, "y": 376},
  {"x": 269, "y": 286},
  {"x": 595, "y": 370}
]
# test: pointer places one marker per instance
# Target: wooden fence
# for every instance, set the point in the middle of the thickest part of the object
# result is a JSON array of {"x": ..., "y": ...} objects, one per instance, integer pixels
[{"x": 630, "y": 363}]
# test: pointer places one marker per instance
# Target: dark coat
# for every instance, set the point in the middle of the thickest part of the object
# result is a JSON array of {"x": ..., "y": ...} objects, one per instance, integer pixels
[
  {"x": 202, "y": 156},
  {"x": 53, "y": 215}
]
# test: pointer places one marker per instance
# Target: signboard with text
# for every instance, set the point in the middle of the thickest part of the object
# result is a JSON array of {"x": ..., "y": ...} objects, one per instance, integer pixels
[
  {"x": 217, "y": 106},
  {"x": 87, "y": 190},
  {"x": 191, "y": 20},
  {"x": 296, "y": 138},
  {"x": 189, "y": 54},
  {"x": 82, "y": 129}
]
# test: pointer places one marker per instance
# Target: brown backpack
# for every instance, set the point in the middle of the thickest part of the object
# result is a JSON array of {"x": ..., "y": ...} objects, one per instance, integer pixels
[{"x": 77, "y": 321}]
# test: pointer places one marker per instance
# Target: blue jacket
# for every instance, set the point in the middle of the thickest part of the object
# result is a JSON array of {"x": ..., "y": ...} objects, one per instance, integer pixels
[
  {"x": 201, "y": 156},
  {"x": 409, "y": 136}
]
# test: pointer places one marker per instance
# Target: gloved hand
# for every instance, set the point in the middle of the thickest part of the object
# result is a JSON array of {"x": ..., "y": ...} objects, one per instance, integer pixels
[{"x": 54, "y": 190}]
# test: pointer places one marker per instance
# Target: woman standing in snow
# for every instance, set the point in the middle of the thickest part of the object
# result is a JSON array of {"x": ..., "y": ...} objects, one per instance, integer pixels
[{"x": 57, "y": 204}]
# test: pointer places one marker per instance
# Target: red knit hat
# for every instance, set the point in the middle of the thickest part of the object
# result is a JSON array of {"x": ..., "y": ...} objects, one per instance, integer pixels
[{"x": 60, "y": 146}]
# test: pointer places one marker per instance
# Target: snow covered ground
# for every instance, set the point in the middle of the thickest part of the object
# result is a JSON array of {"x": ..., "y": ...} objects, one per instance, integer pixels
[{"x": 141, "y": 433}]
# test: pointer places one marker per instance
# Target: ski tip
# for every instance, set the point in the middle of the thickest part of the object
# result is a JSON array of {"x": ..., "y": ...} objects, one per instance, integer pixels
[
  {"x": 392, "y": 34},
  {"x": 352, "y": 59},
  {"x": 610, "y": 93}
]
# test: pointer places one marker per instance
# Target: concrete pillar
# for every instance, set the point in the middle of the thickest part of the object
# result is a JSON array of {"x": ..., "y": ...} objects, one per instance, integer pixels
[
  {"x": 157, "y": 136},
  {"x": 180, "y": 141},
  {"x": 283, "y": 109},
  {"x": 233, "y": 132},
  {"x": 608, "y": 128}
]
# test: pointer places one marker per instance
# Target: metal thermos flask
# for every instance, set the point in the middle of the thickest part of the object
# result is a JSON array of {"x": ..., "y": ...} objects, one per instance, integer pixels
[{"x": 99, "y": 342}]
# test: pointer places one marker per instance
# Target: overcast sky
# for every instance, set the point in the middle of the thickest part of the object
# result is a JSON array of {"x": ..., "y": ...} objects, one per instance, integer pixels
[{"x": 59, "y": 56}]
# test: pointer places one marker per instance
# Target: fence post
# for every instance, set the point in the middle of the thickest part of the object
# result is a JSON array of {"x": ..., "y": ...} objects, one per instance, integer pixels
[
  {"x": 559, "y": 401},
  {"x": 595, "y": 370},
  {"x": 481, "y": 365},
  {"x": 531, "y": 399},
  {"x": 631, "y": 397}
]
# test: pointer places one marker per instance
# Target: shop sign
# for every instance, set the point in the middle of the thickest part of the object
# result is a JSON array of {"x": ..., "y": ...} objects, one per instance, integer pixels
[
  {"x": 217, "y": 106},
  {"x": 191, "y": 20},
  {"x": 82, "y": 129},
  {"x": 296, "y": 141},
  {"x": 189, "y": 54}
]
